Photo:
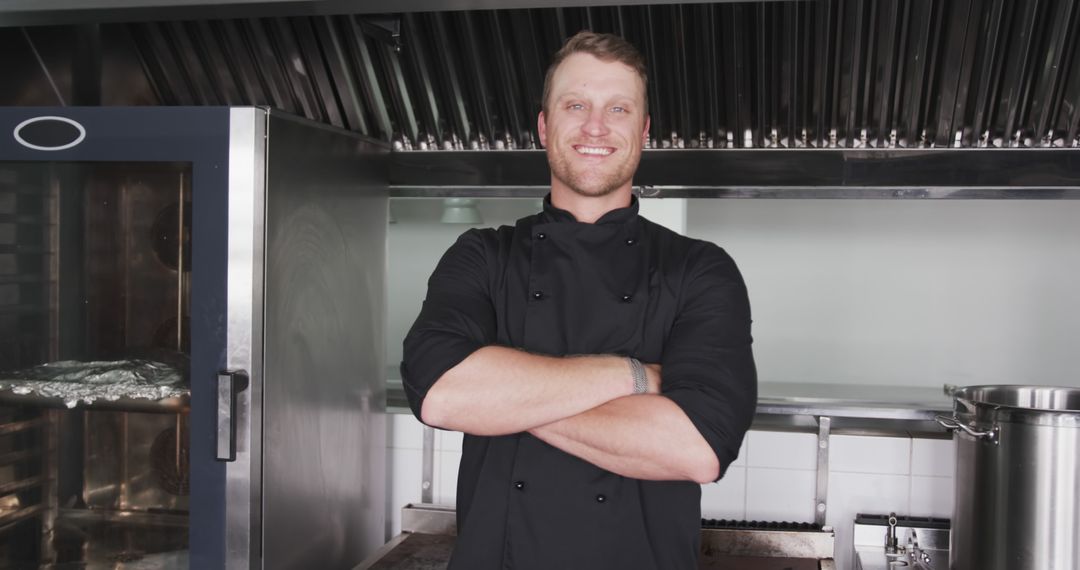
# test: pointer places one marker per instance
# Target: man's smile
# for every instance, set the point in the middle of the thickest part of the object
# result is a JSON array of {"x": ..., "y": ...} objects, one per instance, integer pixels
[{"x": 593, "y": 150}]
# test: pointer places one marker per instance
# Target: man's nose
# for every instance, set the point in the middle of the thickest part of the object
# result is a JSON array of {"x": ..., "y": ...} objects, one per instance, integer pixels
[{"x": 596, "y": 124}]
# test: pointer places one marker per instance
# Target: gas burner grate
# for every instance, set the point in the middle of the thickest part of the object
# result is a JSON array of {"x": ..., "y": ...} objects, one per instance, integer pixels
[
  {"x": 758, "y": 525},
  {"x": 914, "y": 522}
]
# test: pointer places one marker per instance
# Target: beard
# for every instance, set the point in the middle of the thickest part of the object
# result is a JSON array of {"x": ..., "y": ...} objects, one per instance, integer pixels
[{"x": 591, "y": 181}]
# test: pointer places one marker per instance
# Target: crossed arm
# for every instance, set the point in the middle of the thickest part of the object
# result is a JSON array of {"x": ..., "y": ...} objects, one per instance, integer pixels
[
  {"x": 581, "y": 405},
  {"x": 688, "y": 423}
]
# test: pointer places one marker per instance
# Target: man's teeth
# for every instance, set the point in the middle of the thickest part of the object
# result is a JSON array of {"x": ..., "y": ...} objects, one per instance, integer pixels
[{"x": 594, "y": 150}]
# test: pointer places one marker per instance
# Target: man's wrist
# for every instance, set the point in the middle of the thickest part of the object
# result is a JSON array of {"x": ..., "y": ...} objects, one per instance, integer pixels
[{"x": 637, "y": 373}]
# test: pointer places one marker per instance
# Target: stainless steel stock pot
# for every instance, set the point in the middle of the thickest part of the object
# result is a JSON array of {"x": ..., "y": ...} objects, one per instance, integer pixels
[{"x": 1017, "y": 504}]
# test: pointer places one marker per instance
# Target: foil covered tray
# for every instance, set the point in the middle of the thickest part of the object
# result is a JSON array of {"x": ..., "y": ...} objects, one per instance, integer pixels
[{"x": 128, "y": 384}]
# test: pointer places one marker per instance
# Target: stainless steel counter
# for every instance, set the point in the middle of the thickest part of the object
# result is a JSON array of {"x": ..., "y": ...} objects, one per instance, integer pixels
[
  {"x": 796, "y": 406},
  {"x": 429, "y": 533}
]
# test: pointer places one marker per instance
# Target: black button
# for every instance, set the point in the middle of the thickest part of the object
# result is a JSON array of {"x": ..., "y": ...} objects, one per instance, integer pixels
[
  {"x": 538, "y": 295},
  {"x": 541, "y": 235},
  {"x": 519, "y": 485},
  {"x": 600, "y": 498},
  {"x": 627, "y": 298},
  {"x": 630, "y": 241}
]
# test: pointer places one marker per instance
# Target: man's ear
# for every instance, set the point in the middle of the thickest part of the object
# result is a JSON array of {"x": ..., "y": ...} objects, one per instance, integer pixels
[
  {"x": 645, "y": 135},
  {"x": 541, "y": 129}
]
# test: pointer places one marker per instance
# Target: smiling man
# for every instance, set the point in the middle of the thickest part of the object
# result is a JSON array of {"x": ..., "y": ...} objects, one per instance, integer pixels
[{"x": 598, "y": 363}]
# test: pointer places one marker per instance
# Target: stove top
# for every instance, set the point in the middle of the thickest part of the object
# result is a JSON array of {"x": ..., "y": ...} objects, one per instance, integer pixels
[{"x": 888, "y": 542}]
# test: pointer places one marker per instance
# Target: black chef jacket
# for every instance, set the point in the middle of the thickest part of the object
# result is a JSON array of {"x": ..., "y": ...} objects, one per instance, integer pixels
[{"x": 552, "y": 285}]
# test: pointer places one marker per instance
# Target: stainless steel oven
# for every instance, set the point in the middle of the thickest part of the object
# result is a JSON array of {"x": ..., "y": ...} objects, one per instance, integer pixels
[{"x": 191, "y": 339}]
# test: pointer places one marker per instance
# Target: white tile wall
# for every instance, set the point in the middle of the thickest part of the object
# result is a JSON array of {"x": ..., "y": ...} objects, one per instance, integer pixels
[
  {"x": 403, "y": 484},
  {"x": 780, "y": 494},
  {"x": 406, "y": 432},
  {"x": 933, "y": 457},
  {"x": 859, "y": 454},
  {"x": 725, "y": 499},
  {"x": 446, "y": 472},
  {"x": 774, "y": 478},
  {"x": 781, "y": 450},
  {"x": 448, "y": 440},
  {"x": 932, "y": 496}
]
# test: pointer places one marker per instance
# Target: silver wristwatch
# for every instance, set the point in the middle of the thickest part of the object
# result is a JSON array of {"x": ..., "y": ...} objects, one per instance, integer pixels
[{"x": 641, "y": 383}]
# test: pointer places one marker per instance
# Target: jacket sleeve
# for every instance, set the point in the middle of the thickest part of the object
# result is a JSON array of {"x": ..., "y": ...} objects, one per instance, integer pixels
[
  {"x": 708, "y": 365},
  {"x": 456, "y": 319}
]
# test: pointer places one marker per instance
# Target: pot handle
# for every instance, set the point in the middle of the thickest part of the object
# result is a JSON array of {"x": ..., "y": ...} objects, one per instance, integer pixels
[{"x": 953, "y": 424}]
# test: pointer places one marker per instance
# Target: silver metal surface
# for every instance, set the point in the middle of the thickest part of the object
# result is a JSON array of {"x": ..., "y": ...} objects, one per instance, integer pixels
[
  {"x": 785, "y": 192},
  {"x": 1034, "y": 405},
  {"x": 244, "y": 342},
  {"x": 166, "y": 405},
  {"x": 1017, "y": 503},
  {"x": 821, "y": 491},
  {"x": 427, "y": 479},
  {"x": 467, "y": 74},
  {"x": 226, "y": 428},
  {"x": 428, "y": 532},
  {"x": 428, "y": 518},
  {"x": 763, "y": 173},
  {"x": 918, "y": 547},
  {"x": 851, "y": 400},
  {"x": 132, "y": 464},
  {"x": 81, "y": 382},
  {"x": 816, "y": 545},
  {"x": 29, "y": 12},
  {"x": 323, "y": 391},
  {"x": 954, "y": 424},
  {"x": 853, "y": 409}
]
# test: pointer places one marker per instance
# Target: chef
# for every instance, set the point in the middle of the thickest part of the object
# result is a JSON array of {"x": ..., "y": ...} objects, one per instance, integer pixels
[{"x": 599, "y": 364}]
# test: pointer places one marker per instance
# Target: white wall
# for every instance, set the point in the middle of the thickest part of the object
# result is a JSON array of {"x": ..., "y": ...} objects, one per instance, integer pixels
[{"x": 906, "y": 292}]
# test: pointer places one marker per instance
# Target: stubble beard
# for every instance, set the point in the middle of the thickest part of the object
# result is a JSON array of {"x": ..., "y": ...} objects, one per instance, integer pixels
[{"x": 589, "y": 183}]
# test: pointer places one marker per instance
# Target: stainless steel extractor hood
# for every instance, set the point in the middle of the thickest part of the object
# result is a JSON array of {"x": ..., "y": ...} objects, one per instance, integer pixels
[{"x": 850, "y": 76}]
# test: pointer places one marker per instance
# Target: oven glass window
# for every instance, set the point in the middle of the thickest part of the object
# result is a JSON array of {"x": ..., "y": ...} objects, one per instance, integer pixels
[{"x": 95, "y": 274}]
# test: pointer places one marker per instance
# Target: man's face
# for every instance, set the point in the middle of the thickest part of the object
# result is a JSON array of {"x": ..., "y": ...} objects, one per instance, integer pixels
[{"x": 595, "y": 124}]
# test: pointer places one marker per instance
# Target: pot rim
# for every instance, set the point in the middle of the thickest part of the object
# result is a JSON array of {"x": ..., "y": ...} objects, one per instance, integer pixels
[{"x": 967, "y": 404}]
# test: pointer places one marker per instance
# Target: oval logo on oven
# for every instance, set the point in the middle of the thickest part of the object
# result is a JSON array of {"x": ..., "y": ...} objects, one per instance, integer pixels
[{"x": 49, "y": 133}]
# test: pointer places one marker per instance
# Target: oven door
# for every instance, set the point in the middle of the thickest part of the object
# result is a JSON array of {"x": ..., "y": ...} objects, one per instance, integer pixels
[{"x": 117, "y": 191}]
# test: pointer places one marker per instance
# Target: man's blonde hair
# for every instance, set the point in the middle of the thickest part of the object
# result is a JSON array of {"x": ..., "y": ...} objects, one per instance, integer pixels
[{"x": 605, "y": 47}]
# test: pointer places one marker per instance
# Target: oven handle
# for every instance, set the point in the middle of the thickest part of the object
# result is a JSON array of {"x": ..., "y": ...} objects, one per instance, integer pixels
[
  {"x": 953, "y": 424},
  {"x": 229, "y": 385}
]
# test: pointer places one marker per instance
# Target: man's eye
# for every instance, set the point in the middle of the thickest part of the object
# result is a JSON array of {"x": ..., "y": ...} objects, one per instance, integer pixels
[
  {"x": 575, "y": 106},
  {"x": 619, "y": 109}
]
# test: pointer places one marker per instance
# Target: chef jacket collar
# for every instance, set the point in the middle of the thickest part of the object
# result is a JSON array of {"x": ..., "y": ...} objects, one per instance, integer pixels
[{"x": 616, "y": 216}]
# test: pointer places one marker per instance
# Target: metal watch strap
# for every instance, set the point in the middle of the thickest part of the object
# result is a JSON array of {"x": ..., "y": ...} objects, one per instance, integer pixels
[{"x": 641, "y": 383}]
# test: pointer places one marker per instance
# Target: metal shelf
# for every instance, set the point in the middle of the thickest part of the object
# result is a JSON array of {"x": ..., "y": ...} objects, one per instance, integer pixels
[
  {"x": 13, "y": 457},
  {"x": 9, "y": 519},
  {"x": 22, "y": 219},
  {"x": 175, "y": 405},
  {"x": 22, "y": 484},
  {"x": 23, "y": 309},
  {"x": 23, "y": 249},
  {"x": 21, "y": 426}
]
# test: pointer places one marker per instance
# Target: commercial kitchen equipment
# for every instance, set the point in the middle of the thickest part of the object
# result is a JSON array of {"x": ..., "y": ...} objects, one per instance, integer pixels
[
  {"x": 1017, "y": 504},
  {"x": 888, "y": 542},
  {"x": 429, "y": 533},
  {"x": 247, "y": 246}
]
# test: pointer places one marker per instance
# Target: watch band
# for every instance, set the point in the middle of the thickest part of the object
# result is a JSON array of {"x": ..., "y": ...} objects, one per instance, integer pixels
[{"x": 637, "y": 370}]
